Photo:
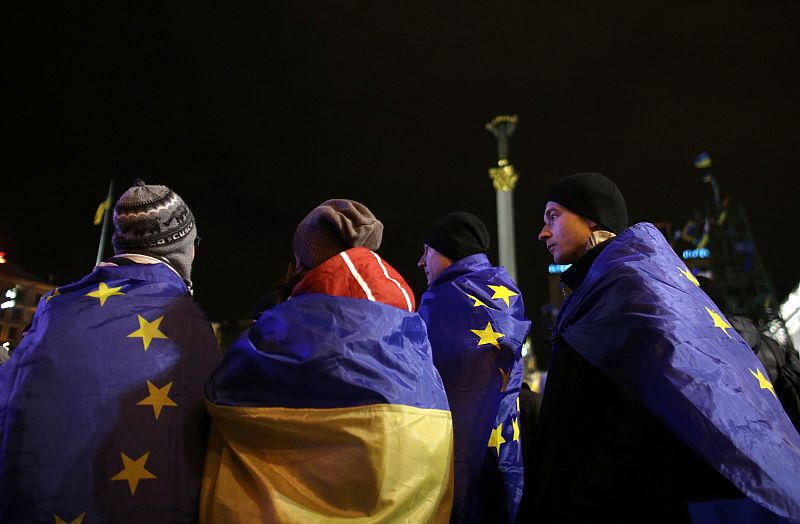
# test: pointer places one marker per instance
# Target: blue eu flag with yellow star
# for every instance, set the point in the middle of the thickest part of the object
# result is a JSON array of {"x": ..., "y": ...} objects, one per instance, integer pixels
[
  {"x": 641, "y": 319},
  {"x": 101, "y": 410},
  {"x": 476, "y": 323}
]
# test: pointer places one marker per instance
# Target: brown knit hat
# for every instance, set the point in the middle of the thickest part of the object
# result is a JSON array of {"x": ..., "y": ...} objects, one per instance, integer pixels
[{"x": 332, "y": 227}]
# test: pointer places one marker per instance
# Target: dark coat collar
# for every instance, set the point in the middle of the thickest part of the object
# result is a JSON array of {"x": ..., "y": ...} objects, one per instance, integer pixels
[{"x": 573, "y": 276}]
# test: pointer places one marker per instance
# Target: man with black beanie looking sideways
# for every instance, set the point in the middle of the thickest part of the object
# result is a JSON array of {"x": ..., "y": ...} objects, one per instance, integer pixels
[
  {"x": 652, "y": 401},
  {"x": 476, "y": 324}
]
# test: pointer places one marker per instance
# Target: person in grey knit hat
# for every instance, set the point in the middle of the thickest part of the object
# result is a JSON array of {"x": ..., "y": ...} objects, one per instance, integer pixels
[
  {"x": 153, "y": 220},
  {"x": 123, "y": 339},
  {"x": 334, "y": 226}
]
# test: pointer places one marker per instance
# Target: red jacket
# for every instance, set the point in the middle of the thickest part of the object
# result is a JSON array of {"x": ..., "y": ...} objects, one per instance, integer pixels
[{"x": 358, "y": 273}]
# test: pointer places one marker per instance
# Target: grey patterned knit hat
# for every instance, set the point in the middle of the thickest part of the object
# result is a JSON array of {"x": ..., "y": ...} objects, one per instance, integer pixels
[
  {"x": 332, "y": 227},
  {"x": 155, "y": 221}
]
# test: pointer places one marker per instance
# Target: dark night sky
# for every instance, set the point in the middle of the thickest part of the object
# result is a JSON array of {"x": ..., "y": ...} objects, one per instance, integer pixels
[{"x": 256, "y": 114}]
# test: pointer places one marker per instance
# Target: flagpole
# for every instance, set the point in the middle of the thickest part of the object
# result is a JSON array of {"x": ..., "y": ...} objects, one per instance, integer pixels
[{"x": 106, "y": 219}]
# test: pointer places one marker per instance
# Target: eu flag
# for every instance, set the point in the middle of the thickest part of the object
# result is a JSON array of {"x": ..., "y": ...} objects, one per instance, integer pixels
[
  {"x": 329, "y": 408},
  {"x": 101, "y": 404},
  {"x": 641, "y": 319},
  {"x": 476, "y": 323}
]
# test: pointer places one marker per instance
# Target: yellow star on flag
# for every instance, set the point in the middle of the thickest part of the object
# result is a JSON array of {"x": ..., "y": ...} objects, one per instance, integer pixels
[
  {"x": 502, "y": 292},
  {"x": 496, "y": 438},
  {"x": 148, "y": 331},
  {"x": 103, "y": 292},
  {"x": 52, "y": 295},
  {"x": 763, "y": 381},
  {"x": 77, "y": 520},
  {"x": 158, "y": 398},
  {"x": 719, "y": 321},
  {"x": 488, "y": 335},
  {"x": 477, "y": 301},
  {"x": 689, "y": 276},
  {"x": 505, "y": 375},
  {"x": 515, "y": 425},
  {"x": 133, "y": 471}
]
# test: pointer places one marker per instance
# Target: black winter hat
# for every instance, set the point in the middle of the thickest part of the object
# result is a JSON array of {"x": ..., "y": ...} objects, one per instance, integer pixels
[
  {"x": 593, "y": 196},
  {"x": 458, "y": 235}
]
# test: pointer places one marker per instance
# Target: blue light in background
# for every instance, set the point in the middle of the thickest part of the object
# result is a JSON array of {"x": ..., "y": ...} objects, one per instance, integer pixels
[
  {"x": 557, "y": 269},
  {"x": 689, "y": 254}
]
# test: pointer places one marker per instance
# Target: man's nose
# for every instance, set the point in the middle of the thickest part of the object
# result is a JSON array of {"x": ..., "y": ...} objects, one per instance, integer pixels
[{"x": 544, "y": 234}]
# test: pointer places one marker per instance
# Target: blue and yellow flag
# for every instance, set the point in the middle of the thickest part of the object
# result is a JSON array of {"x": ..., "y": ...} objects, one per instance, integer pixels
[
  {"x": 101, "y": 210},
  {"x": 703, "y": 160},
  {"x": 101, "y": 404},
  {"x": 329, "y": 409},
  {"x": 641, "y": 319},
  {"x": 476, "y": 324}
]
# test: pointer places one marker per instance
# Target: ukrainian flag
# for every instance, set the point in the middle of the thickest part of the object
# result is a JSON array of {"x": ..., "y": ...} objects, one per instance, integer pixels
[
  {"x": 329, "y": 409},
  {"x": 702, "y": 161},
  {"x": 101, "y": 210}
]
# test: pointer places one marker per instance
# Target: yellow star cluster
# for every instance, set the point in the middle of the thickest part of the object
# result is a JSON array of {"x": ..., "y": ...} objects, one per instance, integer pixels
[
  {"x": 489, "y": 336},
  {"x": 133, "y": 470}
]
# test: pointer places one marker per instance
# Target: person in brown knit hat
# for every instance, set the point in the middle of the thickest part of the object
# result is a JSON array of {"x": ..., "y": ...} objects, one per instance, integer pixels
[
  {"x": 334, "y": 226},
  {"x": 331, "y": 388}
]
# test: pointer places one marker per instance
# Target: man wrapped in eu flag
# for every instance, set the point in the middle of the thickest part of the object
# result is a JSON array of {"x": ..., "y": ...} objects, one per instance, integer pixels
[
  {"x": 101, "y": 406},
  {"x": 476, "y": 324},
  {"x": 329, "y": 408},
  {"x": 652, "y": 400}
]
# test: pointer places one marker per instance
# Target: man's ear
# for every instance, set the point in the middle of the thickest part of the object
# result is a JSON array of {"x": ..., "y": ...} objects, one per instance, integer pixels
[{"x": 593, "y": 225}]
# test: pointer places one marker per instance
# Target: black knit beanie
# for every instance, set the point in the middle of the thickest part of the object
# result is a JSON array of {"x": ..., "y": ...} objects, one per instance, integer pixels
[
  {"x": 458, "y": 235},
  {"x": 154, "y": 220},
  {"x": 593, "y": 196}
]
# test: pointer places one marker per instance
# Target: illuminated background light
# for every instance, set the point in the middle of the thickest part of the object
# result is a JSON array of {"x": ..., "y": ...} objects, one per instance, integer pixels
[
  {"x": 689, "y": 254},
  {"x": 556, "y": 269}
]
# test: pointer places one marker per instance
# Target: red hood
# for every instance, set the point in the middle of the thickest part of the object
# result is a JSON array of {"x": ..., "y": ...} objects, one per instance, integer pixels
[{"x": 358, "y": 273}]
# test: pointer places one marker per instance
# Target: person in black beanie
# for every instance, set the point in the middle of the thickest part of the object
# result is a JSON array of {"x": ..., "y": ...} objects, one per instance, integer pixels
[
  {"x": 582, "y": 211},
  {"x": 597, "y": 454},
  {"x": 476, "y": 324},
  {"x": 451, "y": 238}
]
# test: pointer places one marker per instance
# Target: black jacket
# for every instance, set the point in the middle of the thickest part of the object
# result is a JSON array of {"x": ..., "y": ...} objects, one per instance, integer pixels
[{"x": 781, "y": 363}]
